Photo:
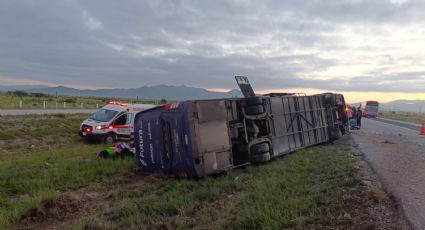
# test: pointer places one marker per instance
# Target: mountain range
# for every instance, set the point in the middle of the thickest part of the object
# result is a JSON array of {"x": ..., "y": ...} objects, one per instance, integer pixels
[
  {"x": 5, "y": 88},
  {"x": 144, "y": 92},
  {"x": 414, "y": 106},
  {"x": 179, "y": 93}
]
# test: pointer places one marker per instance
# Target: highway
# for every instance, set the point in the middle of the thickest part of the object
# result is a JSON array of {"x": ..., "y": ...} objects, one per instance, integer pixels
[
  {"x": 43, "y": 111},
  {"x": 396, "y": 152},
  {"x": 406, "y": 125}
]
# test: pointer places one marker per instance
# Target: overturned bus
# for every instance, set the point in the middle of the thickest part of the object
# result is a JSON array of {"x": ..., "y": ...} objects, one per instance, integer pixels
[{"x": 196, "y": 138}]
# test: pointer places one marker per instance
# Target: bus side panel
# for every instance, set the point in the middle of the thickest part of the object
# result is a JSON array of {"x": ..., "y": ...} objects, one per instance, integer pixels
[
  {"x": 308, "y": 107},
  {"x": 305, "y": 122},
  {"x": 279, "y": 125},
  {"x": 297, "y": 122},
  {"x": 319, "y": 118}
]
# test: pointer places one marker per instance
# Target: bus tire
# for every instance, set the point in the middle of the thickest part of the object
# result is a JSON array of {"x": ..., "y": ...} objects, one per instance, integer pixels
[
  {"x": 334, "y": 134},
  {"x": 260, "y": 153},
  {"x": 261, "y": 158},
  {"x": 254, "y": 110},
  {"x": 251, "y": 101},
  {"x": 109, "y": 139},
  {"x": 260, "y": 148},
  {"x": 330, "y": 99}
]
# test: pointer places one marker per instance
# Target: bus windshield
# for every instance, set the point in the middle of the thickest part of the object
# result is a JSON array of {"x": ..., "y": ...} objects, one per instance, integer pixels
[
  {"x": 104, "y": 115},
  {"x": 372, "y": 103}
]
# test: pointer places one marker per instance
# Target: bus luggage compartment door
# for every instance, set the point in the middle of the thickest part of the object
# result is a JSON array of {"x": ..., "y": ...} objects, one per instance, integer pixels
[{"x": 213, "y": 142}]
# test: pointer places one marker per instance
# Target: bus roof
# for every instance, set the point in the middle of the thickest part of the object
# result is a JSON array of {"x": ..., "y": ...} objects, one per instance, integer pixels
[{"x": 372, "y": 103}]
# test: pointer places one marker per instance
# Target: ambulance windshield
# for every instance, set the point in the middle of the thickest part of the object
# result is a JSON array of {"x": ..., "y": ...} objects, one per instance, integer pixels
[{"x": 104, "y": 115}]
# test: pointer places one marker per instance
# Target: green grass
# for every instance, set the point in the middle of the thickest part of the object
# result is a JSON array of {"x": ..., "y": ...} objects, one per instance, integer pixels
[
  {"x": 27, "y": 181},
  {"x": 417, "y": 118},
  {"x": 305, "y": 189},
  {"x": 10, "y": 101},
  {"x": 41, "y": 156},
  {"x": 34, "y": 133}
]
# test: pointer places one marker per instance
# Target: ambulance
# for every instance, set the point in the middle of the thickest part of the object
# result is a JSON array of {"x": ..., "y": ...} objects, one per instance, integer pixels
[{"x": 114, "y": 121}]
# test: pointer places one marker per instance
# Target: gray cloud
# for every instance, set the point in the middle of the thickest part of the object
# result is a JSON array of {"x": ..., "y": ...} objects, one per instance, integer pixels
[{"x": 205, "y": 43}]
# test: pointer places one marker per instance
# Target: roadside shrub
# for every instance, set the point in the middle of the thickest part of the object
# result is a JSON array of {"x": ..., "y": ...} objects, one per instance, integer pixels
[
  {"x": 19, "y": 93},
  {"x": 61, "y": 115},
  {"x": 38, "y": 95},
  {"x": 70, "y": 100}
]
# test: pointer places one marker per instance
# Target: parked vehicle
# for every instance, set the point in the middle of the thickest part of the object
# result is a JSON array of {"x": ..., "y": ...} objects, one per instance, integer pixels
[
  {"x": 113, "y": 121},
  {"x": 371, "y": 109},
  {"x": 201, "y": 137}
]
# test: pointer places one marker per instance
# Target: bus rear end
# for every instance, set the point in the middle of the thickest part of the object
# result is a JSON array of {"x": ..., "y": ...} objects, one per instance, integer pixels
[
  {"x": 371, "y": 109},
  {"x": 162, "y": 142},
  {"x": 186, "y": 139}
]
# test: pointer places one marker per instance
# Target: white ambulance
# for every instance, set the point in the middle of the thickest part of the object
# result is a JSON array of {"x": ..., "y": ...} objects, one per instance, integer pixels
[{"x": 112, "y": 122}]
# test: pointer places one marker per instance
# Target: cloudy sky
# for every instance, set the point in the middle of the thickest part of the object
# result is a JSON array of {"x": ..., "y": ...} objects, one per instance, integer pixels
[{"x": 370, "y": 48}]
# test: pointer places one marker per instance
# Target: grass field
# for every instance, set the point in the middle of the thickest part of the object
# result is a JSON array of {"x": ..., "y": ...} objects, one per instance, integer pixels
[
  {"x": 41, "y": 156},
  {"x": 49, "y": 177},
  {"x": 417, "y": 118},
  {"x": 310, "y": 188},
  {"x": 37, "y": 101}
]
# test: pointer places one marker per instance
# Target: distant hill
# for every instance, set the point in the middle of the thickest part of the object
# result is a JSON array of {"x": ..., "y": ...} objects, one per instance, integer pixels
[
  {"x": 145, "y": 92},
  {"x": 180, "y": 93},
  {"x": 414, "y": 106},
  {"x": 5, "y": 88}
]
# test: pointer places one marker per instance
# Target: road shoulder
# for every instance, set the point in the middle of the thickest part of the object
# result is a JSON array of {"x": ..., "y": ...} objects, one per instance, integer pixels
[
  {"x": 398, "y": 165},
  {"x": 388, "y": 208}
]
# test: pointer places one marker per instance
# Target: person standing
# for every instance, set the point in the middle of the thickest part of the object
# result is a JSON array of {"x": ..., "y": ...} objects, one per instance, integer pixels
[
  {"x": 359, "y": 115},
  {"x": 349, "y": 113}
]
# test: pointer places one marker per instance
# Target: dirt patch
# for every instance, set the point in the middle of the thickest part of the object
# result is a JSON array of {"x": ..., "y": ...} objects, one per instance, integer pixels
[
  {"x": 389, "y": 142},
  {"x": 75, "y": 204},
  {"x": 70, "y": 205}
]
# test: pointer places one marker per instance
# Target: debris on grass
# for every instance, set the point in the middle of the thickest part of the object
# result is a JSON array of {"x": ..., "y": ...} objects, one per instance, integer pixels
[
  {"x": 389, "y": 142},
  {"x": 376, "y": 194}
]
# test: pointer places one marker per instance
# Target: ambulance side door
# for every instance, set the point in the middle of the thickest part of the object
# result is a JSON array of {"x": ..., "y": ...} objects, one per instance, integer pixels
[{"x": 123, "y": 125}]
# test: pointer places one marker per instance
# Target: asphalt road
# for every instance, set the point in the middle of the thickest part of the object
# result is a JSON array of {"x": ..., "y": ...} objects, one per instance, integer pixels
[
  {"x": 396, "y": 152},
  {"x": 406, "y": 125},
  {"x": 43, "y": 111}
]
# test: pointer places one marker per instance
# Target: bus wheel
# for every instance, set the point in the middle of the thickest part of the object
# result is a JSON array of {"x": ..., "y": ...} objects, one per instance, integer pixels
[
  {"x": 334, "y": 134},
  {"x": 258, "y": 159},
  {"x": 250, "y": 101},
  {"x": 109, "y": 139},
  {"x": 254, "y": 110},
  {"x": 260, "y": 153},
  {"x": 330, "y": 99},
  {"x": 260, "y": 148}
]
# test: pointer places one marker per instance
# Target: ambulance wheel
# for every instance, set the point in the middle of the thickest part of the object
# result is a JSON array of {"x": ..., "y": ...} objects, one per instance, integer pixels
[
  {"x": 250, "y": 101},
  {"x": 109, "y": 139},
  {"x": 254, "y": 110}
]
